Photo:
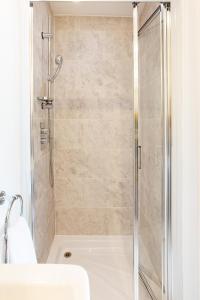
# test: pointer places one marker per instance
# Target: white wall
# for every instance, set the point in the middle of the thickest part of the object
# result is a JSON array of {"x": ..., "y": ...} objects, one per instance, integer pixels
[
  {"x": 186, "y": 139},
  {"x": 14, "y": 99}
]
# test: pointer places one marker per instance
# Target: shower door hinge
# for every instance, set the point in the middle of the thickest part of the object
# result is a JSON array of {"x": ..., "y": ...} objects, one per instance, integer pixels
[
  {"x": 167, "y": 5},
  {"x": 134, "y": 4}
]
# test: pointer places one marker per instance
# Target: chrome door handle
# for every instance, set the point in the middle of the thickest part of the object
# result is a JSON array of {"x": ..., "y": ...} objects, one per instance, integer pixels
[{"x": 139, "y": 152}]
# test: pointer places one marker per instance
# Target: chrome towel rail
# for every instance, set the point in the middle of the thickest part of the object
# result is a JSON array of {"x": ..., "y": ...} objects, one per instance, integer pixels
[
  {"x": 2, "y": 197},
  {"x": 14, "y": 199}
]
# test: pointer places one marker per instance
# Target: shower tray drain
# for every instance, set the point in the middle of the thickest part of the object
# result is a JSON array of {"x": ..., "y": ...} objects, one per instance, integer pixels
[{"x": 67, "y": 254}]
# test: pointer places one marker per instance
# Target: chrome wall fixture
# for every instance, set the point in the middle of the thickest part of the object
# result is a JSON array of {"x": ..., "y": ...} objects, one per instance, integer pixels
[
  {"x": 44, "y": 134},
  {"x": 46, "y": 102},
  {"x": 58, "y": 62},
  {"x": 2, "y": 197},
  {"x": 14, "y": 199},
  {"x": 50, "y": 137}
]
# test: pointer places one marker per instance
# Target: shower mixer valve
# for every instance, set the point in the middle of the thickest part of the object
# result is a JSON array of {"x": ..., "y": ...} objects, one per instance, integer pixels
[
  {"x": 46, "y": 102},
  {"x": 44, "y": 134}
]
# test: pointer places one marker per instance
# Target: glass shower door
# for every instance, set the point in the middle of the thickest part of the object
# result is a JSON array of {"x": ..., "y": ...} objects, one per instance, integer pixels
[
  {"x": 151, "y": 169},
  {"x": 153, "y": 156}
]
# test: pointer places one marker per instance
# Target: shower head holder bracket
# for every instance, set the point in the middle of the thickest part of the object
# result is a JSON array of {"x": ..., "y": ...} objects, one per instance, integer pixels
[{"x": 46, "y": 102}]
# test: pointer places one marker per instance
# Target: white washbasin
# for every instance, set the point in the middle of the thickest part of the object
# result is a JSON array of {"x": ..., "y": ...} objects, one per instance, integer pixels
[{"x": 43, "y": 282}]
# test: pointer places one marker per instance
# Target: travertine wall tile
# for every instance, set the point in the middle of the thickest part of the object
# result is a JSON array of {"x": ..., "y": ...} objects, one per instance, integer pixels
[
  {"x": 93, "y": 193},
  {"x": 94, "y": 126},
  {"x": 102, "y": 221}
]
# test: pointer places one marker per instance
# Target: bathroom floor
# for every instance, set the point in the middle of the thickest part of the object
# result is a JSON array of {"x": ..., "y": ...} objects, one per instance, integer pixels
[{"x": 107, "y": 259}]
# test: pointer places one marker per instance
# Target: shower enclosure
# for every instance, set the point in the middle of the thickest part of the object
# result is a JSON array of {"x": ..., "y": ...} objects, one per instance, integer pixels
[
  {"x": 153, "y": 149},
  {"x": 101, "y": 178}
]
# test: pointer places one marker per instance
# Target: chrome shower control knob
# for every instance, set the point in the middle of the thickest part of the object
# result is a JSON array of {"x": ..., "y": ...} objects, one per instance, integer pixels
[{"x": 2, "y": 197}]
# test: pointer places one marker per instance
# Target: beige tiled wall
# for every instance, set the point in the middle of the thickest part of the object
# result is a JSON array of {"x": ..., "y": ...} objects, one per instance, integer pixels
[
  {"x": 94, "y": 126},
  {"x": 43, "y": 193}
]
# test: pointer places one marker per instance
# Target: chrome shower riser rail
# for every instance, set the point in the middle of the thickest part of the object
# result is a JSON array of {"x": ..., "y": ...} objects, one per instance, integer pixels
[{"x": 51, "y": 171}]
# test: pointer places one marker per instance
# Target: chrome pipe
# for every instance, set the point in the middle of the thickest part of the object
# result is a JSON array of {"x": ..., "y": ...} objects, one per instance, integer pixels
[{"x": 49, "y": 105}]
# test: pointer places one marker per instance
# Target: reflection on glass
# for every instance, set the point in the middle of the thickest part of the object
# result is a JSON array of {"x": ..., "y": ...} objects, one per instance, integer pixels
[{"x": 150, "y": 175}]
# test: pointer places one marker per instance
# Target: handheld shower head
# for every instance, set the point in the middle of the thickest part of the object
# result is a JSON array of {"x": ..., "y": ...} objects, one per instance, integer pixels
[{"x": 59, "y": 62}]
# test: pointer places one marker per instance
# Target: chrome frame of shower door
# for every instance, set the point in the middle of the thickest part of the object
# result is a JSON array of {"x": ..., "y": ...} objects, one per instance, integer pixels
[
  {"x": 136, "y": 108},
  {"x": 166, "y": 98},
  {"x": 32, "y": 205},
  {"x": 166, "y": 90}
]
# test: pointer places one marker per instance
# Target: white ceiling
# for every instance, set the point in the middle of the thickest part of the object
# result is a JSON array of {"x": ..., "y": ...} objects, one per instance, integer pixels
[{"x": 114, "y": 9}]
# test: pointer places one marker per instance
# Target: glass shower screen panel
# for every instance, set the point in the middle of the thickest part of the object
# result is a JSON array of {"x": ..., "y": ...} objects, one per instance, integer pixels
[{"x": 152, "y": 157}]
